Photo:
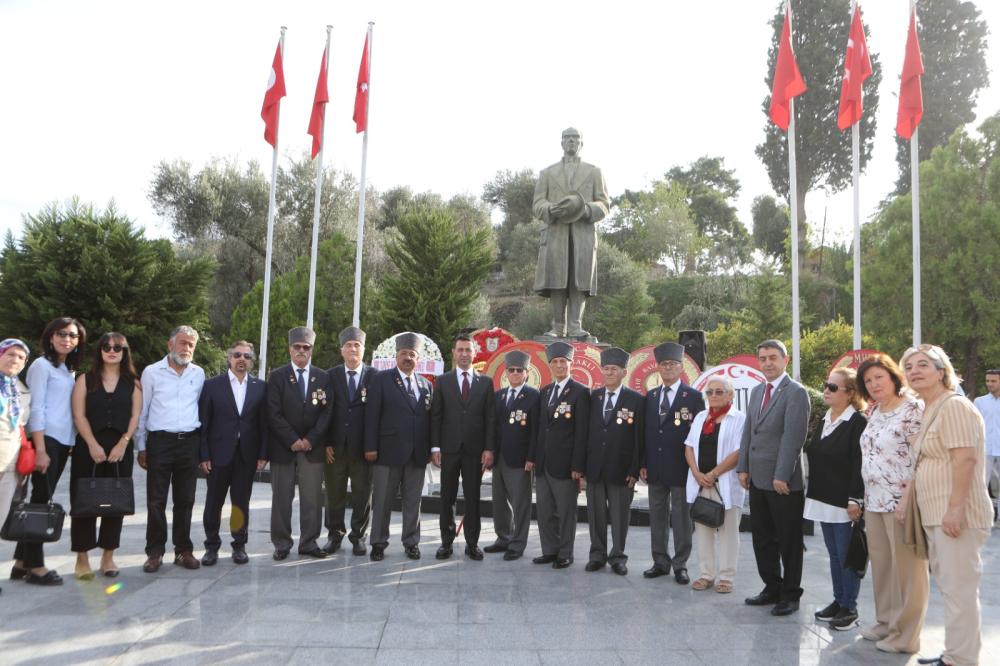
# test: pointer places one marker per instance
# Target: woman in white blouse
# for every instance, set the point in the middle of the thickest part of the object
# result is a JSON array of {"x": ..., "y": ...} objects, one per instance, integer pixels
[
  {"x": 14, "y": 408},
  {"x": 712, "y": 451}
]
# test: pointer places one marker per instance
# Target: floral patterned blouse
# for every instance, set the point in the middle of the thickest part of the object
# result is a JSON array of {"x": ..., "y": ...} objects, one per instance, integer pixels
[{"x": 886, "y": 460}]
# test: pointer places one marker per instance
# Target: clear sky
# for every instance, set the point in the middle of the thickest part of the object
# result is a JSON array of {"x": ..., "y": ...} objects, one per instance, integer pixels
[{"x": 96, "y": 93}]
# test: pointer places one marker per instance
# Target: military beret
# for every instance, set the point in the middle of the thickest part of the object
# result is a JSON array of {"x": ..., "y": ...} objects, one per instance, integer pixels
[
  {"x": 352, "y": 333},
  {"x": 614, "y": 356},
  {"x": 408, "y": 341},
  {"x": 301, "y": 334},
  {"x": 559, "y": 349},
  {"x": 669, "y": 351},
  {"x": 516, "y": 359}
]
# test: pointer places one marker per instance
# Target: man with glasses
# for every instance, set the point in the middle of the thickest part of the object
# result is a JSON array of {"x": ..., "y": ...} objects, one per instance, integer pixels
[
  {"x": 299, "y": 398},
  {"x": 233, "y": 413},
  {"x": 670, "y": 409},
  {"x": 516, "y": 423}
]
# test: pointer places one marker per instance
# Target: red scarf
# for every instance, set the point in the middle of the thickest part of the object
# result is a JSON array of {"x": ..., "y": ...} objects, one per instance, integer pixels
[{"x": 713, "y": 414}]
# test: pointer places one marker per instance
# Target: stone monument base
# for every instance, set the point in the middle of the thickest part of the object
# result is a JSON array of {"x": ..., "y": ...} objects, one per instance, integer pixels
[{"x": 590, "y": 339}]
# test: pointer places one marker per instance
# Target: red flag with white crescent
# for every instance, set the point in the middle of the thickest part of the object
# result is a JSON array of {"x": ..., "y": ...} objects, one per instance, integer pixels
[
  {"x": 788, "y": 82},
  {"x": 857, "y": 68},
  {"x": 361, "y": 95},
  {"x": 911, "y": 97},
  {"x": 319, "y": 109},
  {"x": 272, "y": 99}
]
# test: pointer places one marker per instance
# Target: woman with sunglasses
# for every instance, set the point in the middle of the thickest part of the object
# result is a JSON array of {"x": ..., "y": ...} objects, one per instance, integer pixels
[
  {"x": 955, "y": 508},
  {"x": 14, "y": 407},
  {"x": 50, "y": 380},
  {"x": 835, "y": 489},
  {"x": 106, "y": 406},
  {"x": 712, "y": 450}
]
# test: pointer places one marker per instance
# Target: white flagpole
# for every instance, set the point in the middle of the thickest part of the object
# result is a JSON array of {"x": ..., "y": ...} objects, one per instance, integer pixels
[
  {"x": 915, "y": 208},
  {"x": 262, "y": 371},
  {"x": 856, "y": 178},
  {"x": 793, "y": 202},
  {"x": 356, "y": 319},
  {"x": 319, "y": 193}
]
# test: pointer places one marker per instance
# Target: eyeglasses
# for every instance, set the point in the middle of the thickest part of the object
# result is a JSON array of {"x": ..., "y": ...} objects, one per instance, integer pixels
[
  {"x": 512, "y": 370},
  {"x": 113, "y": 348},
  {"x": 67, "y": 335},
  {"x": 831, "y": 387},
  {"x": 247, "y": 355},
  {"x": 299, "y": 346},
  {"x": 711, "y": 392},
  {"x": 671, "y": 364}
]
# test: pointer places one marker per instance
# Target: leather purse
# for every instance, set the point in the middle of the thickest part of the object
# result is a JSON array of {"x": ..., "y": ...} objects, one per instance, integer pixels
[
  {"x": 707, "y": 511},
  {"x": 103, "y": 497},
  {"x": 857, "y": 550},
  {"x": 26, "y": 456},
  {"x": 33, "y": 522}
]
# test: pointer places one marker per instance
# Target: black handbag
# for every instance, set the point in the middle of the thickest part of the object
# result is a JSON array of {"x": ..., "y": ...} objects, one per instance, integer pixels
[
  {"x": 28, "y": 522},
  {"x": 707, "y": 511},
  {"x": 104, "y": 497},
  {"x": 857, "y": 550}
]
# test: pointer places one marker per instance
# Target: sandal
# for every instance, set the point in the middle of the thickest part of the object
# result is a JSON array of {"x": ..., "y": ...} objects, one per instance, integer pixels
[
  {"x": 702, "y": 584},
  {"x": 724, "y": 587}
]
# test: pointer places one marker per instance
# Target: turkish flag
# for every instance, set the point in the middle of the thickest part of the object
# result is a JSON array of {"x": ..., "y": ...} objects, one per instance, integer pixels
[
  {"x": 857, "y": 68},
  {"x": 319, "y": 109},
  {"x": 361, "y": 96},
  {"x": 788, "y": 82},
  {"x": 911, "y": 98},
  {"x": 272, "y": 99}
]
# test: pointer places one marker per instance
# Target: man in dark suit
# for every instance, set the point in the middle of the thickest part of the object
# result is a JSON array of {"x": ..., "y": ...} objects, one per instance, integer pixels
[
  {"x": 516, "y": 420},
  {"x": 397, "y": 441},
  {"x": 462, "y": 432},
  {"x": 299, "y": 397},
  {"x": 614, "y": 448},
  {"x": 345, "y": 448},
  {"x": 670, "y": 408},
  {"x": 560, "y": 455},
  {"x": 775, "y": 430},
  {"x": 233, "y": 413}
]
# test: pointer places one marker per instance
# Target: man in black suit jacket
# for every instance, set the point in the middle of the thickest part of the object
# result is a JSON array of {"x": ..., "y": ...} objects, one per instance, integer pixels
[
  {"x": 299, "y": 397},
  {"x": 345, "y": 446},
  {"x": 233, "y": 414},
  {"x": 516, "y": 419},
  {"x": 670, "y": 408},
  {"x": 560, "y": 455},
  {"x": 397, "y": 441},
  {"x": 462, "y": 432},
  {"x": 614, "y": 448}
]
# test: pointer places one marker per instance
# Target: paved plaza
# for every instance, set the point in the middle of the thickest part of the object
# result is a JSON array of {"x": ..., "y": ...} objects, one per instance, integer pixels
[{"x": 346, "y": 609}]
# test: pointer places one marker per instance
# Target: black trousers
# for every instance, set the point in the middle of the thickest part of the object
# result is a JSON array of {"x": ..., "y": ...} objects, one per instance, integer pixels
[
  {"x": 471, "y": 469},
  {"x": 43, "y": 485},
  {"x": 235, "y": 480},
  {"x": 170, "y": 460},
  {"x": 776, "y": 523},
  {"x": 335, "y": 476},
  {"x": 83, "y": 531}
]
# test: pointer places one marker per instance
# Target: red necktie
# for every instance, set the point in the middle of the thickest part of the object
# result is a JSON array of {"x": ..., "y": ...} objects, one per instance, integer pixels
[
  {"x": 465, "y": 386},
  {"x": 767, "y": 398}
]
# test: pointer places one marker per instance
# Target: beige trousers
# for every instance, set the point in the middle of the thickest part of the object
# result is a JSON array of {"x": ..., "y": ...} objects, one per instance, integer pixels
[
  {"x": 899, "y": 580},
  {"x": 728, "y": 539},
  {"x": 957, "y": 568}
]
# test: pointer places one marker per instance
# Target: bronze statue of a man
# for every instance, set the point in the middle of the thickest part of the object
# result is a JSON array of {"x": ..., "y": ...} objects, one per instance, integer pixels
[{"x": 570, "y": 198}]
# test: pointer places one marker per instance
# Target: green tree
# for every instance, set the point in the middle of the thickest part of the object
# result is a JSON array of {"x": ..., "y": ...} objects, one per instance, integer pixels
[
  {"x": 960, "y": 241},
  {"x": 768, "y": 311},
  {"x": 98, "y": 267},
  {"x": 732, "y": 339},
  {"x": 770, "y": 226},
  {"x": 438, "y": 272},
  {"x": 654, "y": 227},
  {"x": 953, "y": 46},
  {"x": 820, "y": 347},
  {"x": 622, "y": 301},
  {"x": 823, "y": 152}
]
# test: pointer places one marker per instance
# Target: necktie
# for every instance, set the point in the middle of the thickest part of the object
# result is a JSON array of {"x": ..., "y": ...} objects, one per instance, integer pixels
[
  {"x": 767, "y": 398},
  {"x": 665, "y": 405},
  {"x": 352, "y": 384},
  {"x": 609, "y": 407},
  {"x": 465, "y": 386},
  {"x": 511, "y": 395},
  {"x": 409, "y": 389},
  {"x": 302, "y": 382},
  {"x": 555, "y": 395}
]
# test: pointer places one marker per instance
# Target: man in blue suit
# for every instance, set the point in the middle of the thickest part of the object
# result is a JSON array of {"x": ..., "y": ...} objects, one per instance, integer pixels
[
  {"x": 670, "y": 408},
  {"x": 233, "y": 414},
  {"x": 397, "y": 441}
]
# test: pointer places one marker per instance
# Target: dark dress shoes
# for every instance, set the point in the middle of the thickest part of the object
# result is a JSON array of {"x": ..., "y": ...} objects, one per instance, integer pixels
[
  {"x": 358, "y": 545},
  {"x": 544, "y": 559},
  {"x": 444, "y": 552},
  {"x": 413, "y": 552},
  {"x": 495, "y": 547},
  {"x": 933, "y": 661},
  {"x": 511, "y": 555},
  {"x": 332, "y": 546},
  {"x": 240, "y": 555},
  {"x": 280, "y": 554},
  {"x": 474, "y": 552},
  {"x": 18, "y": 573},
  {"x": 785, "y": 608},
  {"x": 765, "y": 598},
  {"x": 186, "y": 560},
  {"x": 561, "y": 563},
  {"x": 655, "y": 571},
  {"x": 593, "y": 566},
  {"x": 153, "y": 564},
  {"x": 620, "y": 568},
  {"x": 377, "y": 554},
  {"x": 209, "y": 558},
  {"x": 681, "y": 576},
  {"x": 315, "y": 551},
  {"x": 46, "y": 579}
]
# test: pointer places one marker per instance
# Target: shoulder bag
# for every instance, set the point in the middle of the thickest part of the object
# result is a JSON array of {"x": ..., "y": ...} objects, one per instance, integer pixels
[
  {"x": 29, "y": 522},
  {"x": 707, "y": 511},
  {"x": 104, "y": 497}
]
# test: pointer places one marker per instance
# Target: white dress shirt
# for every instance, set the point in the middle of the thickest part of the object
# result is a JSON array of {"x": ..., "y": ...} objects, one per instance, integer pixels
[
  {"x": 239, "y": 390},
  {"x": 670, "y": 391},
  {"x": 169, "y": 400},
  {"x": 989, "y": 406},
  {"x": 304, "y": 379}
]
